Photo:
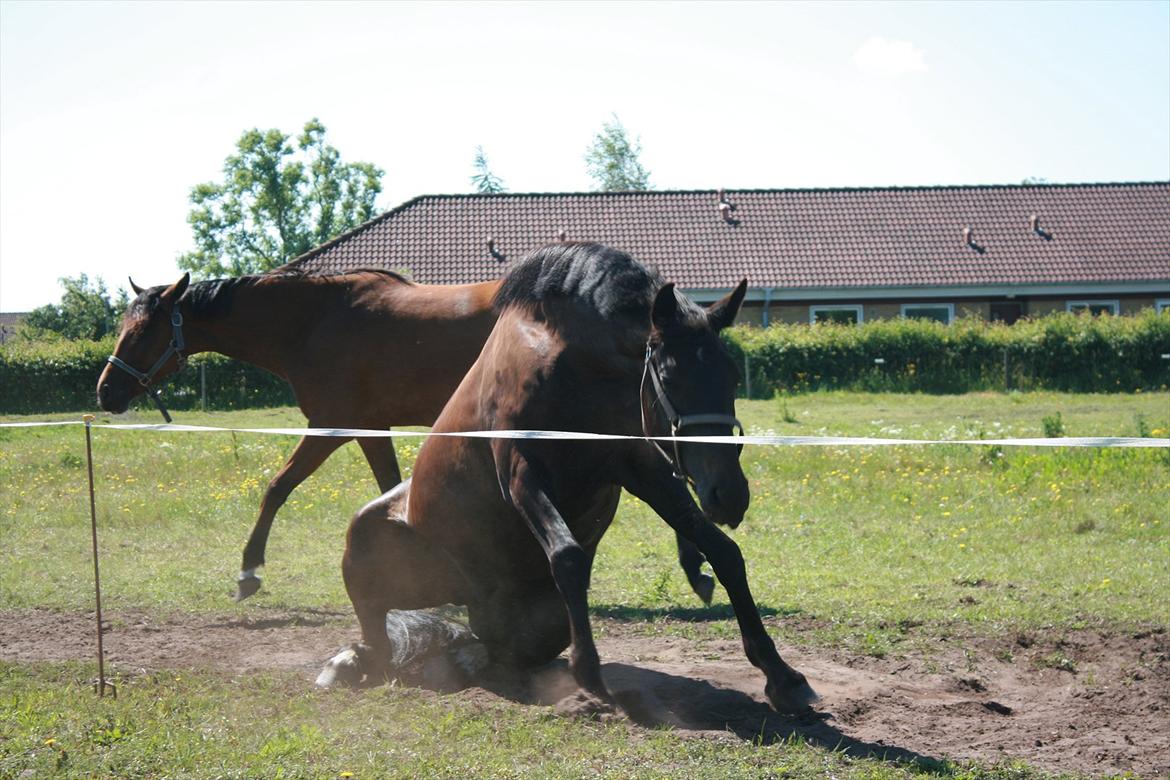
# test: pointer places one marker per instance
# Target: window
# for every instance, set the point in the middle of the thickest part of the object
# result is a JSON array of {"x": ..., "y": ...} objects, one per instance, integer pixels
[
  {"x": 1093, "y": 307},
  {"x": 1006, "y": 312},
  {"x": 1161, "y": 305},
  {"x": 942, "y": 312},
  {"x": 844, "y": 313}
]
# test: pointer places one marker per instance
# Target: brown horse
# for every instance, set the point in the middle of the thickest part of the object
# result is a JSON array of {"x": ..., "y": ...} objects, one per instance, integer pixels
[
  {"x": 367, "y": 349},
  {"x": 587, "y": 340}
]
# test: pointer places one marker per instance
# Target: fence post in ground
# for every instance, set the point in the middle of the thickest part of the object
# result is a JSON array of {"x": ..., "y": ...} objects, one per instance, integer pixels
[
  {"x": 97, "y": 581},
  {"x": 1007, "y": 377},
  {"x": 747, "y": 376},
  {"x": 203, "y": 386}
]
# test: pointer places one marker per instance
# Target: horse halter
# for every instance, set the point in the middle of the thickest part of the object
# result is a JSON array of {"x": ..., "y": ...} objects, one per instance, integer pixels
[
  {"x": 175, "y": 347},
  {"x": 677, "y": 421}
]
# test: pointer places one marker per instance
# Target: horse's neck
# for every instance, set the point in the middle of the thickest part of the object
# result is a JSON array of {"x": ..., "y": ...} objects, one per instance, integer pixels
[{"x": 263, "y": 326}]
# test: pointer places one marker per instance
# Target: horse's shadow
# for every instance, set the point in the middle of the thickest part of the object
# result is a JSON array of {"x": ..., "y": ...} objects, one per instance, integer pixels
[
  {"x": 704, "y": 614},
  {"x": 656, "y": 699}
]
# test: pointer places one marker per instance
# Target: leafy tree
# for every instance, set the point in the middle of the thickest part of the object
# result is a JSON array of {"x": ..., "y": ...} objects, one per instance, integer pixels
[
  {"x": 612, "y": 160},
  {"x": 484, "y": 181},
  {"x": 276, "y": 202},
  {"x": 85, "y": 311}
]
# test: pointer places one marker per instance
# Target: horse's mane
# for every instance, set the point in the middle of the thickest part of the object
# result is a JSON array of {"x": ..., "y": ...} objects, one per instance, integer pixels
[
  {"x": 607, "y": 280},
  {"x": 214, "y": 297}
]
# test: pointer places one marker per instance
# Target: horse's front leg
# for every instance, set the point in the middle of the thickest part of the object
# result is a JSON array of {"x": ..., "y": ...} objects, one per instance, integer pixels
[
  {"x": 570, "y": 566},
  {"x": 786, "y": 688},
  {"x": 308, "y": 456}
]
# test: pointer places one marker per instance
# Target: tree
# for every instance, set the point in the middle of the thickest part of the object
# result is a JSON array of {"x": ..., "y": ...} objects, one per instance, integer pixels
[
  {"x": 612, "y": 160},
  {"x": 276, "y": 202},
  {"x": 484, "y": 181},
  {"x": 85, "y": 311}
]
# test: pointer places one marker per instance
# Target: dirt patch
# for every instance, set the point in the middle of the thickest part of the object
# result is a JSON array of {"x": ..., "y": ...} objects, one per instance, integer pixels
[{"x": 1086, "y": 701}]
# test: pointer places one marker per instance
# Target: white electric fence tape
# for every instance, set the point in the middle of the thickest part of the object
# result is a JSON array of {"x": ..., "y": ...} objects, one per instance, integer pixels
[{"x": 789, "y": 441}]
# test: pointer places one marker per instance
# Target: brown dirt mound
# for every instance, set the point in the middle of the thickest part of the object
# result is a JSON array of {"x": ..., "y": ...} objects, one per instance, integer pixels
[{"x": 1086, "y": 701}]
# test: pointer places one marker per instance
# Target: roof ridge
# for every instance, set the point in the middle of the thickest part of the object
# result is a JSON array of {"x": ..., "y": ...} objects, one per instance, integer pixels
[{"x": 779, "y": 190}]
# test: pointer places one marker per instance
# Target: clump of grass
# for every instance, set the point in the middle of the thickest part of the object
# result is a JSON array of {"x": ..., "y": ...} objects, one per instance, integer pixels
[
  {"x": 1143, "y": 426},
  {"x": 1057, "y": 660},
  {"x": 1053, "y": 426}
]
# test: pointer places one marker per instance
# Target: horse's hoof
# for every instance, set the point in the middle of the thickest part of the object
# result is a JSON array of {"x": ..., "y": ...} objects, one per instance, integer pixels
[
  {"x": 583, "y": 704},
  {"x": 246, "y": 587},
  {"x": 794, "y": 699},
  {"x": 704, "y": 587},
  {"x": 342, "y": 669}
]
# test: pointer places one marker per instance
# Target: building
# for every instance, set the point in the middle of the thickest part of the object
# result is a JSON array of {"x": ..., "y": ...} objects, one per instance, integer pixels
[
  {"x": 997, "y": 252},
  {"x": 10, "y": 323}
]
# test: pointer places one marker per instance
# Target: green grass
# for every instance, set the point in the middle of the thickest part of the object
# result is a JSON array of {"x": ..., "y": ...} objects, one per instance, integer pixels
[
  {"x": 196, "y": 725},
  {"x": 876, "y": 550},
  {"x": 857, "y": 538}
]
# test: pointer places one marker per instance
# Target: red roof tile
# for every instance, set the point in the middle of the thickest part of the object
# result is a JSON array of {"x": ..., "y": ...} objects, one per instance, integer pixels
[{"x": 854, "y": 238}]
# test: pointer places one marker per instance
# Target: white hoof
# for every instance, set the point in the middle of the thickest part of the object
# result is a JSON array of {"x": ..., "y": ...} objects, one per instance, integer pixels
[{"x": 342, "y": 669}]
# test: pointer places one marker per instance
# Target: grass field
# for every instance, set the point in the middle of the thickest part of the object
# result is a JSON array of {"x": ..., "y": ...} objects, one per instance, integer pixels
[{"x": 874, "y": 550}]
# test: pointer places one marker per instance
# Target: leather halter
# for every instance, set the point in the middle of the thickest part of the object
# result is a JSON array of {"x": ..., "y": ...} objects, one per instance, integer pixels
[
  {"x": 677, "y": 421},
  {"x": 175, "y": 347}
]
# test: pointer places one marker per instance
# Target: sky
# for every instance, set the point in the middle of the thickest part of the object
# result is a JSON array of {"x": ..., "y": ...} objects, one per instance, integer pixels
[{"x": 111, "y": 112}]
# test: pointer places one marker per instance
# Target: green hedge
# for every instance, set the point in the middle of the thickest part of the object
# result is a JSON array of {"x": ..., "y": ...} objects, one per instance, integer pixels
[
  {"x": 1069, "y": 352},
  {"x": 62, "y": 376}
]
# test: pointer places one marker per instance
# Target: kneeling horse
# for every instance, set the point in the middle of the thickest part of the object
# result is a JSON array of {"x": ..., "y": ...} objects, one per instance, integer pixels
[{"x": 589, "y": 340}]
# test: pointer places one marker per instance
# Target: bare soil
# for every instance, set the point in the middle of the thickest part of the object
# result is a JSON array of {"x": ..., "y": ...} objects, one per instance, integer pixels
[{"x": 1087, "y": 701}]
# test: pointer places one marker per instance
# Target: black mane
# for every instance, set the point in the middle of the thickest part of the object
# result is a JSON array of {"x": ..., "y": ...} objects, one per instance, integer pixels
[
  {"x": 213, "y": 297},
  {"x": 606, "y": 279}
]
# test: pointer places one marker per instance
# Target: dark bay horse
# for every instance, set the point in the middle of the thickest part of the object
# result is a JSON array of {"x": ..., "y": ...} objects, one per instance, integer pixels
[
  {"x": 587, "y": 340},
  {"x": 367, "y": 349}
]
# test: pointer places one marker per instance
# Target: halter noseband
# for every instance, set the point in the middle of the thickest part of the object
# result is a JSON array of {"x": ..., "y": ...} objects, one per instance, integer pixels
[
  {"x": 677, "y": 421},
  {"x": 175, "y": 347}
]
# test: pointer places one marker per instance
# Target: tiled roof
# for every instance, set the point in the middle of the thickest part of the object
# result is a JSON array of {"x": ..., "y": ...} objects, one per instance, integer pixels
[{"x": 810, "y": 239}]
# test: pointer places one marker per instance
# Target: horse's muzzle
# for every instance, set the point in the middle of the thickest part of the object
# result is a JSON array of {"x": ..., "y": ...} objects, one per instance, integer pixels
[
  {"x": 111, "y": 400},
  {"x": 725, "y": 504}
]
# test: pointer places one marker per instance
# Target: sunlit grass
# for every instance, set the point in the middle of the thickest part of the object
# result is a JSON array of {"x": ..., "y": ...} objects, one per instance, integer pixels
[{"x": 857, "y": 539}]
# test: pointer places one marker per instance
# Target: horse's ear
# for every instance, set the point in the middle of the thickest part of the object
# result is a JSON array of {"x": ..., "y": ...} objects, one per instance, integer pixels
[
  {"x": 137, "y": 290},
  {"x": 722, "y": 313},
  {"x": 176, "y": 290},
  {"x": 665, "y": 309}
]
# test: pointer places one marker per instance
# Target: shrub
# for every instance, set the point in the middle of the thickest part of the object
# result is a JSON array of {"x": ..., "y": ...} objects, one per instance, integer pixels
[
  {"x": 61, "y": 376},
  {"x": 1068, "y": 352}
]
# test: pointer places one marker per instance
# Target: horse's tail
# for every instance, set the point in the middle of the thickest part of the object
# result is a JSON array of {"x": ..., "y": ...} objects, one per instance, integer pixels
[
  {"x": 425, "y": 647},
  {"x": 417, "y": 635}
]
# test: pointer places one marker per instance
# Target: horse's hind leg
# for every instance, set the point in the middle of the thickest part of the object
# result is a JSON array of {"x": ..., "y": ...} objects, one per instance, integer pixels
[
  {"x": 388, "y": 566},
  {"x": 522, "y": 630},
  {"x": 691, "y": 561},
  {"x": 308, "y": 456}
]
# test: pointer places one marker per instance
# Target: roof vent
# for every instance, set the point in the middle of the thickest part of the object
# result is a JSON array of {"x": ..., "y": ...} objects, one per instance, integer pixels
[
  {"x": 492, "y": 250},
  {"x": 725, "y": 208},
  {"x": 561, "y": 235},
  {"x": 1034, "y": 225},
  {"x": 969, "y": 239}
]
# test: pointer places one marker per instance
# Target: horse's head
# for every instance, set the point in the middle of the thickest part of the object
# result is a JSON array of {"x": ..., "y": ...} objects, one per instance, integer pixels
[
  {"x": 145, "y": 351},
  {"x": 688, "y": 389}
]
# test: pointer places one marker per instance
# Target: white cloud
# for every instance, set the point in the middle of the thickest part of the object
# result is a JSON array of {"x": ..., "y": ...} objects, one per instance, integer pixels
[{"x": 889, "y": 58}]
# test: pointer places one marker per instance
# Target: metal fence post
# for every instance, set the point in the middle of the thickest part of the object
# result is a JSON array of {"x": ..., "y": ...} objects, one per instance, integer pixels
[{"x": 203, "y": 386}]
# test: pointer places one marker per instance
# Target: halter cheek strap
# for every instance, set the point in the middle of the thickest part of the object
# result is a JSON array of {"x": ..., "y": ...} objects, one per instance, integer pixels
[
  {"x": 175, "y": 347},
  {"x": 677, "y": 421}
]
